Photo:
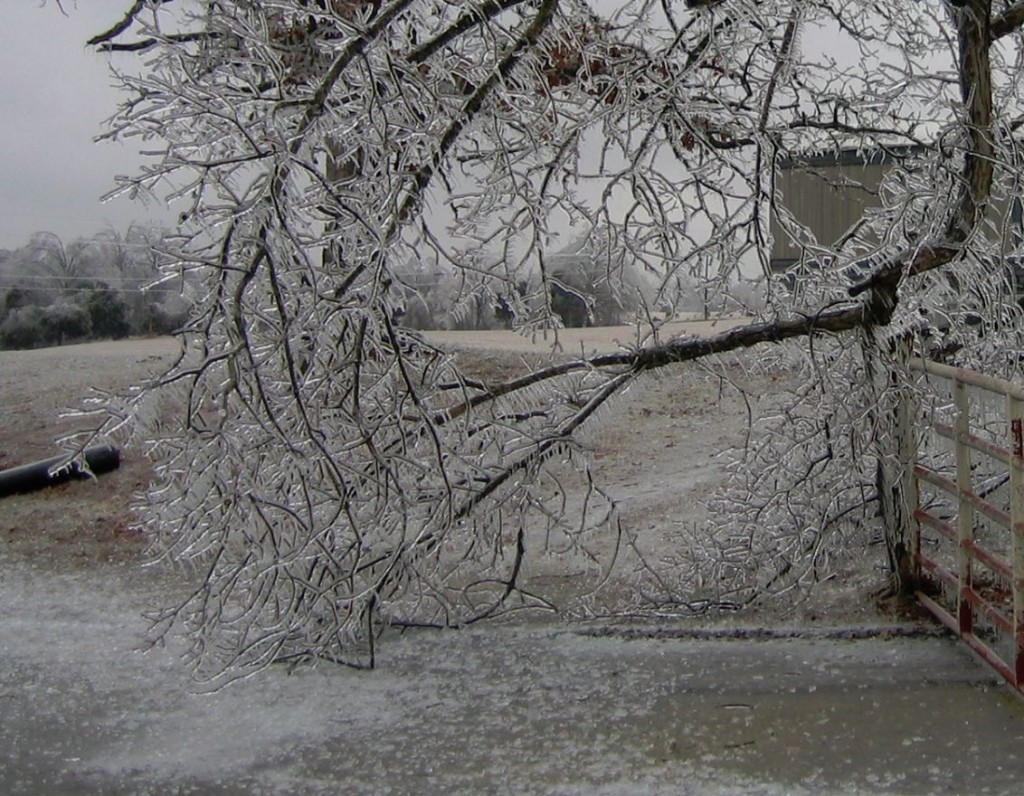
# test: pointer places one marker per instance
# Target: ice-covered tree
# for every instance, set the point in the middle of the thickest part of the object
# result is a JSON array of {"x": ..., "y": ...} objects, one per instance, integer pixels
[
  {"x": 65, "y": 265},
  {"x": 329, "y": 473}
]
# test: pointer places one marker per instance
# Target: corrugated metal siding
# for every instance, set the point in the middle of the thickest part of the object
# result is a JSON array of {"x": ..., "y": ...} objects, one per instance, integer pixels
[
  {"x": 829, "y": 193},
  {"x": 828, "y": 200}
]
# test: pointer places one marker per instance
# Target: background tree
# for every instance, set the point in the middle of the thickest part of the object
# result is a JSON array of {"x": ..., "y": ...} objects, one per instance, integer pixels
[
  {"x": 41, "y": 284},
  {"x": 108, "y": 286},
  {"x": 131, "y": 264},
  {"x": 330, "y": 474},
  {"x": 66, "y": 264},
  {"x": 108, "y": 315}
]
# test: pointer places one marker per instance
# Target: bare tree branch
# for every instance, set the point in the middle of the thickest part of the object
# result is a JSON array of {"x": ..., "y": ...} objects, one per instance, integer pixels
[
  {"x": 130, "y": 17},
  {"x": 1008, "y": 22}
]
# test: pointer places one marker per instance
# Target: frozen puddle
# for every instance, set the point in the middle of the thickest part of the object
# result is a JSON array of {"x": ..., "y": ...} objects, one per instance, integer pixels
[{"x": 498, "y": 710}]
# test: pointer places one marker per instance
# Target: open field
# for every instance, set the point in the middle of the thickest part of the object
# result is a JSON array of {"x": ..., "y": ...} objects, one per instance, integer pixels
[
  {"x": 540, "y": 707},
  {"x": 80, "y": 523}
]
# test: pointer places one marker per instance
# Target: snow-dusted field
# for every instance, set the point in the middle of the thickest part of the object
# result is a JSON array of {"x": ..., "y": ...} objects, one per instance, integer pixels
[{"x": 539, "y": 707}]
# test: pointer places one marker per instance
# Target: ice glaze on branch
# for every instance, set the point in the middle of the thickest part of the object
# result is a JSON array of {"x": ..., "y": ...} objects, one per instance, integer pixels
[
  {"x": 129, "y": 18},
  {"x": 469, "y": 19},
  {"x": 974, "y": 43},
  {"x": 831, "y": 320},
  {"x": 105, "y": 42},
  {"x": 1009, "y": 21}
]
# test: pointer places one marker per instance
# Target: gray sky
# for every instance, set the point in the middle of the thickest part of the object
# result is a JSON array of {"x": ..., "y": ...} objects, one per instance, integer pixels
[{"x": 54, "y": 96}]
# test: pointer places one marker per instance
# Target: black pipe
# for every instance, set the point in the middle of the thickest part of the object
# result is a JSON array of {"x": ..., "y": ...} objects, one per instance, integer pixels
[{"x": 30, "y": 477}]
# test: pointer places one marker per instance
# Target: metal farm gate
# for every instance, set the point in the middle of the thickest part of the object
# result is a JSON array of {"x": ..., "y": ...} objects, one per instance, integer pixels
[{"x": 966, "y": 497}]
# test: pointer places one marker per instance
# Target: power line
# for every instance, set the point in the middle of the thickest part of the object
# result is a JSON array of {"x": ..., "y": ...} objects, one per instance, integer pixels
[
  {"x": 49, "y": 278},
  {"x": 57, "y": 283},
  {"x": 140, "y": 291},
  {"x": 87, "y": 242}
]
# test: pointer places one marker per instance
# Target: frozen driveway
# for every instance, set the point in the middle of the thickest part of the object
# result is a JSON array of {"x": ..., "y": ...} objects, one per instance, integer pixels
[{"x": 537, "y": 709}]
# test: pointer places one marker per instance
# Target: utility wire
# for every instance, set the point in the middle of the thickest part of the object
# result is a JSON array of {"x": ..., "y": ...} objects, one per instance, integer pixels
[{"x": 48, "y": 278}]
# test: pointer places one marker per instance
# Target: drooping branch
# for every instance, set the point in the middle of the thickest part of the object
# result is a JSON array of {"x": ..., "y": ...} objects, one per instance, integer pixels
[
  {"x": 833, "y": 320},
  {"x": 333, "y": 473}
]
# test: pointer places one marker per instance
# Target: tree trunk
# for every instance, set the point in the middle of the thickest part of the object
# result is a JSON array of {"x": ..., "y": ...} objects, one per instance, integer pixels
[{"x": 893, "y": 440}]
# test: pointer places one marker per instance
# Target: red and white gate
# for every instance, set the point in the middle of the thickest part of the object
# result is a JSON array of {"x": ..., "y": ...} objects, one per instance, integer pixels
[{"x": 967, "y": 543}]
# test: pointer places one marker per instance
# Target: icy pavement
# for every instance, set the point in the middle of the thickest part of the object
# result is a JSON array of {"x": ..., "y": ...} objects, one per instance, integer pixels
[{"x": 537, "y": 709}]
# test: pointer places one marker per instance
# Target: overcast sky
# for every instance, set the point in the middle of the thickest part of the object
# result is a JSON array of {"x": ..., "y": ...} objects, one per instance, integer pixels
[{"x": 54, "y": 96}]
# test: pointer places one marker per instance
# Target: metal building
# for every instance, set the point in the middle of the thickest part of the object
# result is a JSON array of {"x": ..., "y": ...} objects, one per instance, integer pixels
[{"x": 828, "y": 193}]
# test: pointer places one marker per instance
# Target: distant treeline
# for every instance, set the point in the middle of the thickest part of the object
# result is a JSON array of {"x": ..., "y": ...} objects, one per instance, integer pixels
[{"x": 54, "y": 292}]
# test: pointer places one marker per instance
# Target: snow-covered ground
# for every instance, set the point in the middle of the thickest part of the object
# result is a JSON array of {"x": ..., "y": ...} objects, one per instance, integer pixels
[
  {"x": 539, "y": 709},
  {"x": 530, "y": 707}
]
